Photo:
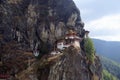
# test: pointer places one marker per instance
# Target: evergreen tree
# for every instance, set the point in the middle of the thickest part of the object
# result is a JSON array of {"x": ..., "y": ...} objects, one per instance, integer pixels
[{"x": 89, "y": 49}]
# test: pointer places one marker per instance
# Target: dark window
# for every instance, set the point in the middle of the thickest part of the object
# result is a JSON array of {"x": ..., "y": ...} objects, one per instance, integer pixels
[{"x": 1, "y": 30}]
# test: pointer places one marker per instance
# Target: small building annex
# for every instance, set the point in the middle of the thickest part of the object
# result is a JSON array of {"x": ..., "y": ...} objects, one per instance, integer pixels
[{"x": 70, "y": 39}]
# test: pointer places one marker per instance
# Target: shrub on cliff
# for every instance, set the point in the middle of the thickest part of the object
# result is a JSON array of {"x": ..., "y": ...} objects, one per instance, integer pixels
[{"x": 89, "y": 49}]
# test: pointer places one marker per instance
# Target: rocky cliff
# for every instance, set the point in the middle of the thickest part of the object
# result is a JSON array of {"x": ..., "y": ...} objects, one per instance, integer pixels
[{"x": 35, "y": 25}]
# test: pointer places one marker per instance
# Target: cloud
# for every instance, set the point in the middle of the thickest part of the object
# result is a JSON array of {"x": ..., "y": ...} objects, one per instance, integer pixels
[
  {"x": 81, "y": 5},
  {"x": 106, "y": 27},
  {"x": 93, "y": 9},
  {"x": 97, "y": 18},
  {"x": 85, "y": 11},
  {"x": 108, "y": 38},
  {"x": 107, "y": 22},
  {"x": 83, "y": 1}
]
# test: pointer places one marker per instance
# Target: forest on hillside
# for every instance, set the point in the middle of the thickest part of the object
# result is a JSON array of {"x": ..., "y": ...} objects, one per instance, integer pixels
[
  {"x": 111, "y": 69},
  {"x": 108, "y": 76}
]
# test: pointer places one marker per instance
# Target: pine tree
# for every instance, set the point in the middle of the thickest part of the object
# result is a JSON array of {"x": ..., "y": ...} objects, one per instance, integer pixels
[{"x": 89, "y": 49}]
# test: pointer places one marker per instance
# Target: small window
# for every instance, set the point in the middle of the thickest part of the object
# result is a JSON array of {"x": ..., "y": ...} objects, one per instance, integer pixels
[
  {"x": 68, "y": 41},
  {"x": 36, "y": 53}
]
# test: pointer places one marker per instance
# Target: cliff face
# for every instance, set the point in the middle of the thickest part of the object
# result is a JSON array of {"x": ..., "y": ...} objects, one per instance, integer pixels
[{"x": 29, "y": 25}]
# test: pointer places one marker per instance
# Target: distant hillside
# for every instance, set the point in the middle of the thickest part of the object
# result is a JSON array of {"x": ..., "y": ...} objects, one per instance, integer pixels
[
  {"x": 108, "y": 76},
  {"x": 111, "y": 66},
  {"x": 110, "y": 49}
]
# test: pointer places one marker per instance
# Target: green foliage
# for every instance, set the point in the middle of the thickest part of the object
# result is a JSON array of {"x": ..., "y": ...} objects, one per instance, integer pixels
[
  {"x": 89, "y": 49},
  {"x": 111, "y": 66},
  {"x": 108, "y": 76}
]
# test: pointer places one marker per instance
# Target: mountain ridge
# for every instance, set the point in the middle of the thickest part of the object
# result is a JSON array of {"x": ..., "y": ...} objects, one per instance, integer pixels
[
  {"x": 111, "y": 66},
  {"x": 108, "y": 49}
]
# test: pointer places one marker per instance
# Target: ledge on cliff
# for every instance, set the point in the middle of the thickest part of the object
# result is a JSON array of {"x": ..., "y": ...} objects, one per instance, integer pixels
[
  {"x": 70, "y": 64},
  {"x": 28, "y": 26}
]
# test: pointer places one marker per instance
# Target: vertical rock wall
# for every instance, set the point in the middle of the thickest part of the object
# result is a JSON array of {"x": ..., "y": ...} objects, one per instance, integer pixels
[{"x": 27, "y": 25}]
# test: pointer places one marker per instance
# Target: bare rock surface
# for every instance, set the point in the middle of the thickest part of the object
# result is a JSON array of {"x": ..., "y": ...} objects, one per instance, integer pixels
[{"x": 29, "y": 25}]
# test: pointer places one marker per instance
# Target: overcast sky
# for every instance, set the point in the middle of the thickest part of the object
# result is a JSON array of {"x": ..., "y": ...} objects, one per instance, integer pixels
[{"x": 101, "y": 18}]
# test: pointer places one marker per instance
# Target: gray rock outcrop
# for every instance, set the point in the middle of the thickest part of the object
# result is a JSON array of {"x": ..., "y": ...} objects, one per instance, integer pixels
[{"x": 28, "y": 25}]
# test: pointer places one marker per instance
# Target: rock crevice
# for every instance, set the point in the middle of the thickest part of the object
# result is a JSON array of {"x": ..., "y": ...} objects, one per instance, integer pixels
[{"x": 28, "y": 26}]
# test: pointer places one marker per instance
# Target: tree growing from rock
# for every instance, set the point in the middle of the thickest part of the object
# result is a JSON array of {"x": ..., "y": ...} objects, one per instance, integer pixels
[{"x": 89, "y": 49}]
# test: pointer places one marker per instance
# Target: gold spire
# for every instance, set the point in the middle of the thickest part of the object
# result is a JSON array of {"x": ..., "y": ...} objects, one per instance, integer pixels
[{"x": 71, "y": 32}]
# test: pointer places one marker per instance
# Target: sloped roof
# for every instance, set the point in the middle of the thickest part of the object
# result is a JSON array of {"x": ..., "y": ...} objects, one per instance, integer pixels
[{"x": 87, "y": 31}]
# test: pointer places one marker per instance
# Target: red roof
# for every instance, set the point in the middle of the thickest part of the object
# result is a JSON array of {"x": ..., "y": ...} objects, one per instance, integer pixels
[
  {"x": 78, "y": 38},
  {"x": 67, "y": 35},
  {"x": 4, "y": 76},
  {"x": 60, "y": 40},
  {"x": 68, "y": 44},
  {"x": 71, "y": 32}
]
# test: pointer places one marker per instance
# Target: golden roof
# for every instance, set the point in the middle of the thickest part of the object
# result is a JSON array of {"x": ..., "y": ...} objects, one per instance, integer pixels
[{"x": 71, "y": 32}]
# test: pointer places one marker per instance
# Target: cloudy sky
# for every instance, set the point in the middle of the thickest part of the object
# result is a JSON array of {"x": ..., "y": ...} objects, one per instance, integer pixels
[{"x": 101, "y": 17}]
